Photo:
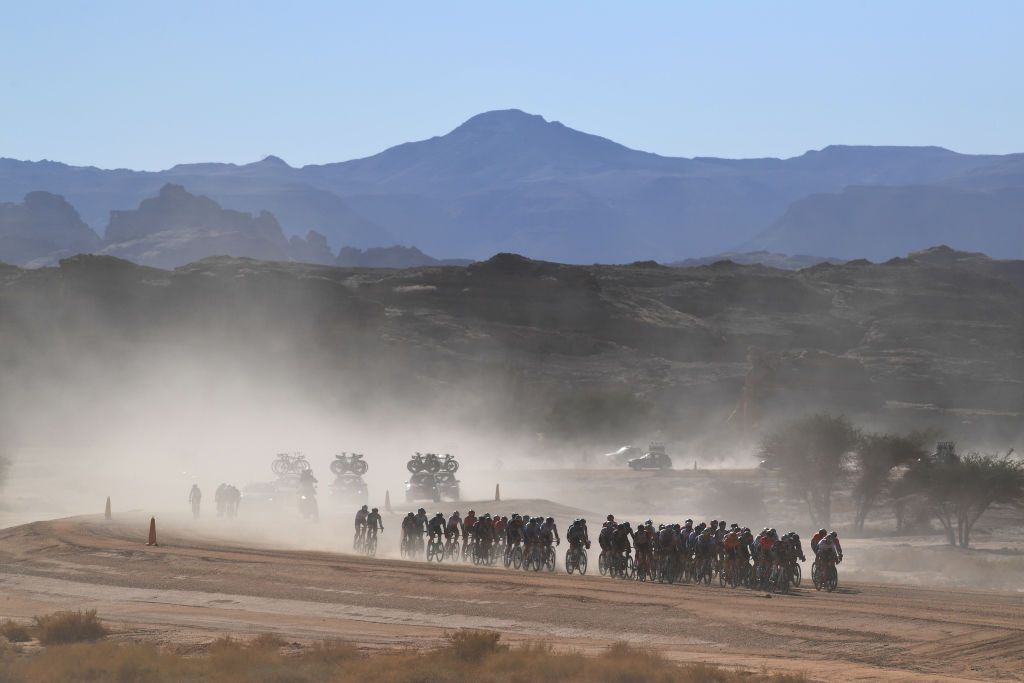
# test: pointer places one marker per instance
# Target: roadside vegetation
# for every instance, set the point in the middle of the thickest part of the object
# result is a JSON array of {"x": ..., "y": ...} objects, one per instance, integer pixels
[
  {"x": 475, "y": 656},
  {"x": 818, "y": 454}
]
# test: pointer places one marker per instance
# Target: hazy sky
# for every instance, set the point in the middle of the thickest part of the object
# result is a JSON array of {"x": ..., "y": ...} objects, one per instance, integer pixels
[{"x": 147, "y": 85}]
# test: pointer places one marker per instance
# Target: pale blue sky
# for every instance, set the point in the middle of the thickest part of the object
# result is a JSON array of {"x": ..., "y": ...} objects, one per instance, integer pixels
[{"x": 147, "y": 85}]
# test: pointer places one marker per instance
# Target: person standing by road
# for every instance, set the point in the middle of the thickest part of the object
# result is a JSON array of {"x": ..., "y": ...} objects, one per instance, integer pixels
[{"x": 195, "y": 496}]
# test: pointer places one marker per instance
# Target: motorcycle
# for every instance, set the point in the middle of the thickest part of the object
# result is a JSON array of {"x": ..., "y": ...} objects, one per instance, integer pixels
[{"x": 345, "y": 463}]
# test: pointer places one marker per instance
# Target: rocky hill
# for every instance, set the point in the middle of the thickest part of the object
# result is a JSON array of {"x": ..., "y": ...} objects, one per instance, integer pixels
[
  {"x": 512, "y": 181},
  {"x": 592, "y": 353},
  {"x": 42, "y": 226}
]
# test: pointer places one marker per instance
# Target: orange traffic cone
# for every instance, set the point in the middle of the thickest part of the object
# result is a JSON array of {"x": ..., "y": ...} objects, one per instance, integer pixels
[
  {"x": 387, "y": 501},
  {"x": 152, "y": 532},
  {"x": 106, "y": 512},
  {"x": 497, "y": 493}
]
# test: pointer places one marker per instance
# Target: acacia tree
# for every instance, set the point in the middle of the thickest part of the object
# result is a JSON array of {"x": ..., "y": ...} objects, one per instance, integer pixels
[
  {"x": 876, "y": 456},
  {"x": 959, "y": 491},
  {"x": 811, "y": 452}
]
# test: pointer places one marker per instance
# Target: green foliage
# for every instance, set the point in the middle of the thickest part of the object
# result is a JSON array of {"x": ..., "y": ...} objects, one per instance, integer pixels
[
  {"x": 876, "y": 456},
  {"x": 811, "y": 453},
  {"x": 960, "y": 490}
]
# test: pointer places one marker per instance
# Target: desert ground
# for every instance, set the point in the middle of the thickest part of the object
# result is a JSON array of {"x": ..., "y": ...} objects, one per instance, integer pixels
[{"x": 213, "y": 577}]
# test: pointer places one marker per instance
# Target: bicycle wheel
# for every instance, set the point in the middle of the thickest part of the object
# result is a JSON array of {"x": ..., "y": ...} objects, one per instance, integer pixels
[
  {"x": 570, "y": 561},
  {"x": 602, "y": 563},
  {"x": 551, "y": 561},
  {"x": 517, "y": 558},
  {"x": 797, "y": 575},
  {"x": 581, "y": 562},
  {"x": 630, "y": 568},
  {"x": 816, "y": 576},
  {"x": 430, "y": 552},
  {"x": 721, "y": 577},
  {"x": 706, "y": 573},
  {"x": 371, "y": 546},
  {"x": 833, "y": 579}
]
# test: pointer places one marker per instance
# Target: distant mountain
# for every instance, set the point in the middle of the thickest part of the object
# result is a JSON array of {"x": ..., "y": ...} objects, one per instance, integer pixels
[
  {"x": 512, "y": 181},
  {"x": 760, "y": 258},
  {"x": 873, "y": 222},
  {"x": 40, "y": 226},
  {"x": 391, "y": 257}
]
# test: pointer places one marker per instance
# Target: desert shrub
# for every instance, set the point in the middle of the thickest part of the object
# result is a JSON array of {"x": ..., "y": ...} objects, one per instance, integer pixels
[
  {"x": 15, "y": 632},
  {"x": 473, "y": 646},
  {"x": 464, "y": 656},
  {"x": 69, "y": 627}
]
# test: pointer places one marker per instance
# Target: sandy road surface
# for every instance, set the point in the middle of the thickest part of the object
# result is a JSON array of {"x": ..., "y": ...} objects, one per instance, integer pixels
[{"x": 192, "y": 588}]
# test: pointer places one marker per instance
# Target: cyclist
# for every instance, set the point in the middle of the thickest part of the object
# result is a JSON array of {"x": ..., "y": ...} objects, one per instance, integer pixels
[
  {"x": 514, "y": 530},
  {"x": 500, "y": 524},
  {"x": 816, "y": 539},
  {"x": 361, "y": 516},
  {"x": 576, "y": 534},
  {"x": 436, "y": 527},
  {"x": 549, "y": 529},
  {"x": 621, "y": 543},
  {"x": 643, "y": 539},
  {"x": 483, "y": 532},
  {"x": 455, "y": 527},
  {"x": 604, "y": 537},
  {"x": 373, "y": 523},
  {"x": 469, "y": 525},
  {"x": 531, "y": 534},
  {"x": 730, "y": 545},
  {"x": 410, "y": 532},
  {"x": 832, "y": 543}
]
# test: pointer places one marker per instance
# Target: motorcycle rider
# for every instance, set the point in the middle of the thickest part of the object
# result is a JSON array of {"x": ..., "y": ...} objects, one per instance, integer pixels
[{"x": 195, "y": 497}]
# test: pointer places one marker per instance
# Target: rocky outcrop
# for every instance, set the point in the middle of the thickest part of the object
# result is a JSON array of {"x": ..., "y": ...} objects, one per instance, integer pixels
[
  {"x": 389, "y": 257},
  {"x": 177, "y": 227},
  {"x": 42, "y": 227}
]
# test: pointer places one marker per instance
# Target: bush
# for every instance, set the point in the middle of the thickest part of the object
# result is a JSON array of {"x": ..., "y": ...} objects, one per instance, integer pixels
[
  {"x": 474, "y": 646},
  {"x": 15, "y": 632},
  {"x": 69, "y": 627}
]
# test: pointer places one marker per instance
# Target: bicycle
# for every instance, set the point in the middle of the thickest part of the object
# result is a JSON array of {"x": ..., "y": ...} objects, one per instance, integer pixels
[
  {"x": 576, "y": 559},
  {"x": 451, "y": 549},
  {"x": 370, "y": 545},
  {"x": 602, "y": 563},
  {"x": 435, "y": 550}
]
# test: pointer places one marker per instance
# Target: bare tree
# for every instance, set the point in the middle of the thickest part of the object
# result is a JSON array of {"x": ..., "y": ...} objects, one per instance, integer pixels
[
  {"x": 811, "y": 453},
  {"x": 876, "y": 457},
  {"x": 959, "y": 491}
]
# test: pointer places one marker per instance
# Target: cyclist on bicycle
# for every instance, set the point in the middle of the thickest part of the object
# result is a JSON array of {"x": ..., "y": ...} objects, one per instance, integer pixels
[
  {"x": 731, "y": 544},
  {"x": 500, "y": 524},
  {"x": 576, "y": 534},
  {"x": 531, "y": 534},
  {"x": 436, "y": 527},
  {"x": 514, "y": 530},
  {"x": 361, "y": 516},
  {"x": 469, "y": 525},
  {"x": 483, "y": 532},
  {"x": 621, "y": 540},
  {"x": 422, "y": 520},
  {"x": 829, "y": 548},
  {"x": 643, "y": 540},
  {"x": 373, "y": 523},
  {"x": 549, "y": 529},
  {"x": 455, "y": 527},
  {"x": 410, "y": 531},
  {"x": 816, "y": 539}
]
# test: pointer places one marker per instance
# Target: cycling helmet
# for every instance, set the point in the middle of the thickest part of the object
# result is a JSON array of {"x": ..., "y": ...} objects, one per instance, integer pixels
[
  {"x": 550, "y": 520},
  {"x": 455, "y": 514},
  {"x": 421, "y": 511},
  {"x": 610, "y": 518},
  {"x": 439, "y": 515},
  {"x": 410, "y": 515},
  {"x": 583, "y": 521},
  {"x": 721, "y": 524},
  {"x": 822, "y": 531},
  {"x": 734, "y": 525},
  {"x": 689, "y": 521},
  {"x": 714, "y": 522},
  {"x": 363, "y": 508},
  {"x": 471, "y": 512},
  {"x": 374, "y": 510},
  {"x": 833, "y": 535},
  {"x": 648, "y": 522}
]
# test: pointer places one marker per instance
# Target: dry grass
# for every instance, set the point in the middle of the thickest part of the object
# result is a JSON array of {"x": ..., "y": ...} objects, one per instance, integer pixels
[
  {"x": 15, "y": 632},
  {"x": 61, "y": 628},
  {"x": 479, "y": 657}
]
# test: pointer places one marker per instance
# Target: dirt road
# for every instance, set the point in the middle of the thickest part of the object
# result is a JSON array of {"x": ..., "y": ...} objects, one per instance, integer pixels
[{"x": 194, "y": 587}]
